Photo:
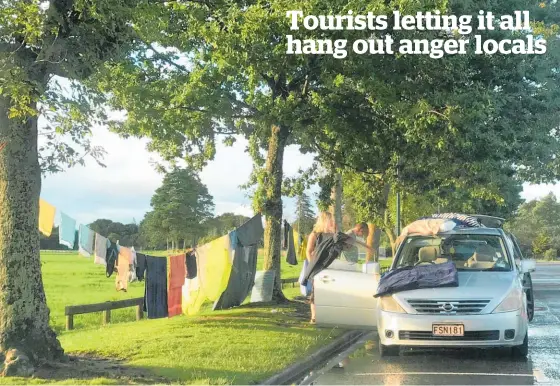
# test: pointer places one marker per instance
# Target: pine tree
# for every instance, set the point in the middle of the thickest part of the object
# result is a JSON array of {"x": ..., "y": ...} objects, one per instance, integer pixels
[{"x": 305, "y": 215}]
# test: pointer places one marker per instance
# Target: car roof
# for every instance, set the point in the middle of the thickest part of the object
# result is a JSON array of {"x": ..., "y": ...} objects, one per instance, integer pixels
[{"x": 469, "y": 231}]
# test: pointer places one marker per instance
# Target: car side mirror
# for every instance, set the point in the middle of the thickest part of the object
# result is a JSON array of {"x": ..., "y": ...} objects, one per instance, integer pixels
[
  {"x": 528, "y": 265},
  {"x": 374, "y": 268}
]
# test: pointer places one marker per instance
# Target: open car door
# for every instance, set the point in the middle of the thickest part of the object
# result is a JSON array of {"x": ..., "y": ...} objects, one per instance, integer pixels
[{"x": 344, "y": 296}]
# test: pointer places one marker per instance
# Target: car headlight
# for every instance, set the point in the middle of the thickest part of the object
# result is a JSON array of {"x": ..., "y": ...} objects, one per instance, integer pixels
[
  {"x": 388, "y": 304},
  {"x": 512, "y": 302}
]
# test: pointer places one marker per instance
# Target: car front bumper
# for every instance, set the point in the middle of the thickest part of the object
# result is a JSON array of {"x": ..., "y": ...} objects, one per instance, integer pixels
[{"x": 480, "y": 330}]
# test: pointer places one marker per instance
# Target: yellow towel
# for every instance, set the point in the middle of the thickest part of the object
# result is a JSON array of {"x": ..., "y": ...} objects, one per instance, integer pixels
[
  {"x": 46, "y": 217},
  {"x": 302, "y": 250},
  {"x": 214, "y": 268}
]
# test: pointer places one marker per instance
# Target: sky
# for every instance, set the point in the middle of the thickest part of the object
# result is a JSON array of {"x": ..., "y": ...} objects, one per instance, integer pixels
[{"x": 122, "y": 190}]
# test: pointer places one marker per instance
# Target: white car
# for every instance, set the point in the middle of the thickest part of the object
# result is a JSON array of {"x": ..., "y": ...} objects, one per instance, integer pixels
[{"x": 489, "y": 308}]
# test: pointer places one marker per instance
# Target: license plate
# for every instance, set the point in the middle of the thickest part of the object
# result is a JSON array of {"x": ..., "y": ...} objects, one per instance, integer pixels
[{"x": 448, "y": 330}]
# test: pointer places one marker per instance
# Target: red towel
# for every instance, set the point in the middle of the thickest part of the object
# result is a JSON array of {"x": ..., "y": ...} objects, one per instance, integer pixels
[{"x": 175, "y": 280}]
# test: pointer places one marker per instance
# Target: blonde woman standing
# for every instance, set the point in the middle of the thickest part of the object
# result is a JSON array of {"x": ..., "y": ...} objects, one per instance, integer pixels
[{"x": 325, "y": 225}]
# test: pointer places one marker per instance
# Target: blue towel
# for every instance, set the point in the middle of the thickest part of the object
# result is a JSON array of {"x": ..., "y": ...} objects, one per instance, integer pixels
[
  {"x": 86, "y": 238},
  {"x": 67, "y": 231}
]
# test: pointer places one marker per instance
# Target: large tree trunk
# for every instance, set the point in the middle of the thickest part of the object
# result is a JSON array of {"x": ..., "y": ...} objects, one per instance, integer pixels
[
  {"x": 273, "y": 207},
  {"x": 337, "y": 202},
  {"x": 25, "y": 335}
]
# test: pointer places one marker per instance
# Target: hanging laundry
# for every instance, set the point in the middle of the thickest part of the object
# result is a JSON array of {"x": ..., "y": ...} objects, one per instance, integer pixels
[
  {"x": 297, "y": 241},
  {"x": 214, "y": 269},
  {"x": 112, "y": 257},
  {"x": 285, "y": 231},
  {"x": 155, "y": 290},
  {"x": 101, "y": 245},
  {"x": 247, "y": 232},
  {"x": 176, "y": 273},
  {"x": 140, "y": 266},
  {"x": 190, "y": 263},
  {"x": 302, "y": 250},
  {"x": 328, "y": 248},
  {"x": 46, "y": 217},
  {"x": 190, "y": 289},
  {"x": 67, "y": 231},
  {"x": 123, "y": 269},
  {"x": 132, "y": 271},
  {"x": 86, "y": 241},
  {"x": 242, "y": 276},
  {"x": 291, "y": 253}
]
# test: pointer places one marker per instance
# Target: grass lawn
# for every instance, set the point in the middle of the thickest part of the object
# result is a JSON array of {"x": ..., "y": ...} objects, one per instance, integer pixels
[{"x": 240, "y": 346}]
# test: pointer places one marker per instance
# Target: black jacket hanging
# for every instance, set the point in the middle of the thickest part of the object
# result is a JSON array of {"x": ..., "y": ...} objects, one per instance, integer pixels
[
  {"x": 112, "y": 256},
  {"x": 327, "y": 249},
  {"x": 291, "y": 253}
]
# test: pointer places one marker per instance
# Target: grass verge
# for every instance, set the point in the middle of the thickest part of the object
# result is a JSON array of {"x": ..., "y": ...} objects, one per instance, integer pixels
[{"x": 240, "y": 346}]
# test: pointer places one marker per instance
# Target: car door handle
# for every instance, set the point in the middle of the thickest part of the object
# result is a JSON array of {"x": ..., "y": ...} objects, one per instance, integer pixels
[{"x": 326, "y": 279}]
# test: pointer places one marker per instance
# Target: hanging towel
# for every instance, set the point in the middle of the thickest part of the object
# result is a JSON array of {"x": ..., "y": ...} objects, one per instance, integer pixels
[
  {"x": 112, "y": 257},
  {"x": 291, "y": 253},
  {"x": 101, "y": 245},
  {"x": 190, "y": 263},
  {"x": 86, "y": 241},
  {"x": 214, "y": 268},
  {"x": 132, "y": 273},
  {"x": 302, "y": 250},
  {"x": 46, "y": 217},
  {"x": 175, "y": 281},
  {"x": 123, "y": 269},
  {"x": 140, "y": 266},
  {"x": 155, "y": 290},
  {"x": 242, "y": 278},
  {"x": 67, "y": 231},
  {"x": 285, "y": 231}
]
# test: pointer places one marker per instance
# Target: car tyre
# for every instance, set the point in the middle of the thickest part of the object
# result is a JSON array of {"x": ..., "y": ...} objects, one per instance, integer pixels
[
  {"x": 388, "y": 351},
  {"x": 528, "y": 286},
  {"x": 522, "y": 350}
]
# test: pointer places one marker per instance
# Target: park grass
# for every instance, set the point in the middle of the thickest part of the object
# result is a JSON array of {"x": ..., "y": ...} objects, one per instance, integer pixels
[{"x": 239, "y": 346}]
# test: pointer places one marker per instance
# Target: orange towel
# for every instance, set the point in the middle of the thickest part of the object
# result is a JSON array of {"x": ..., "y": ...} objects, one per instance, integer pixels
[
  {"x": 175, "y": 280},
  {"x": 123, "y": 269}
]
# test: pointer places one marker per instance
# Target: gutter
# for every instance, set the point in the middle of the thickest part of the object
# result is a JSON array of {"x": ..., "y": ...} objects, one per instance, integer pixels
[{"x": 299, "y": 370}]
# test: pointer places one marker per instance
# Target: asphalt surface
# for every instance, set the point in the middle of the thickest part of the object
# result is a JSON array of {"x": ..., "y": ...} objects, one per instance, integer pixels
[{"x": 363, "y": 365}]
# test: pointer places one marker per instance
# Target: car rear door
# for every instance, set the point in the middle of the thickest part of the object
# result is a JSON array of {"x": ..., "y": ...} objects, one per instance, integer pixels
[{"x": 345, "y": 298}]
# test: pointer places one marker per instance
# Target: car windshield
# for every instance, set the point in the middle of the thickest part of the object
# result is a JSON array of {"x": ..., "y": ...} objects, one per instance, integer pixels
[{"x": 469, "y": 252}]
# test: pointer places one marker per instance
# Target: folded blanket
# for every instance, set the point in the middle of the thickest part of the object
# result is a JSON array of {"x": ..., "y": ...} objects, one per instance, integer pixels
[{"x": 422, "y": 276}]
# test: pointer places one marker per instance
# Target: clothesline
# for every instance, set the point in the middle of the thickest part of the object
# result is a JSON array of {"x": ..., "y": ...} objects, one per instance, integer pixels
[{"x": 222, "y": 271}]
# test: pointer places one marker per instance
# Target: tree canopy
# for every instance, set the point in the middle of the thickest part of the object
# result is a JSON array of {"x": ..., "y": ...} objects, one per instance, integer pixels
[{"x": 181, "y": 207}]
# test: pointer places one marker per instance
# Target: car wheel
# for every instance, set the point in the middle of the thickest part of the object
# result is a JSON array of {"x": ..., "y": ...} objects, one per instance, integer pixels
[
  {"x": 528, "y": 287},
  {"x": 522, "y": 350},
  {"x": 388, "y": 351}
]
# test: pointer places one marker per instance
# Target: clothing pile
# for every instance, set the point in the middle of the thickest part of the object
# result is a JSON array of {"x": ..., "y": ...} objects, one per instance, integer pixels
[{"x": 421, "y": 276}]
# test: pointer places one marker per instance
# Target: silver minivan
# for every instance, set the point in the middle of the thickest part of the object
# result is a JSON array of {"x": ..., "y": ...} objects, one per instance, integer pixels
[{"x": 491, "y": 307}]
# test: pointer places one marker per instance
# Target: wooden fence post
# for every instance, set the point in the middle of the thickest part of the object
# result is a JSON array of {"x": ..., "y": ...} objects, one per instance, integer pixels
[
  {"x": 69, "y": 322},
  {"x": 139, "y": 312},
  {"x": 106, "y": 316}
]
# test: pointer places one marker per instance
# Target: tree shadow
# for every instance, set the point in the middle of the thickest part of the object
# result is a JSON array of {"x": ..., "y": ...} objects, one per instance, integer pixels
[{"x": 87, "y": 367}]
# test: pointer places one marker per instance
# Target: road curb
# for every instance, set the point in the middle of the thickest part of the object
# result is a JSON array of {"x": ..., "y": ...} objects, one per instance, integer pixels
[{"x": 298, "y": 370}]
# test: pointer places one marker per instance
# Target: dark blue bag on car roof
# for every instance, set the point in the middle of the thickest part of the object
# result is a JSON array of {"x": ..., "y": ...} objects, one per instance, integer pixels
[{"x": 422, "y": 276}]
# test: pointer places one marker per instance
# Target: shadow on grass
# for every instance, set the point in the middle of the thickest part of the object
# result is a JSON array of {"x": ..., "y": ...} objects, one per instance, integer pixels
[{"x": 104, "y": 370}]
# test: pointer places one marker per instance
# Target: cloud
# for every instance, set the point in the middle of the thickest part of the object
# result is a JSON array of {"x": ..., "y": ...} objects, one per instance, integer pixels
[{"x": 122, "y": 191}]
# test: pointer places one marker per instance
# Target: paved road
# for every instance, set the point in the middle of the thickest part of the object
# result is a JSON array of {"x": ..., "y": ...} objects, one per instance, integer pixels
[{"x": 466, "y": 367}]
